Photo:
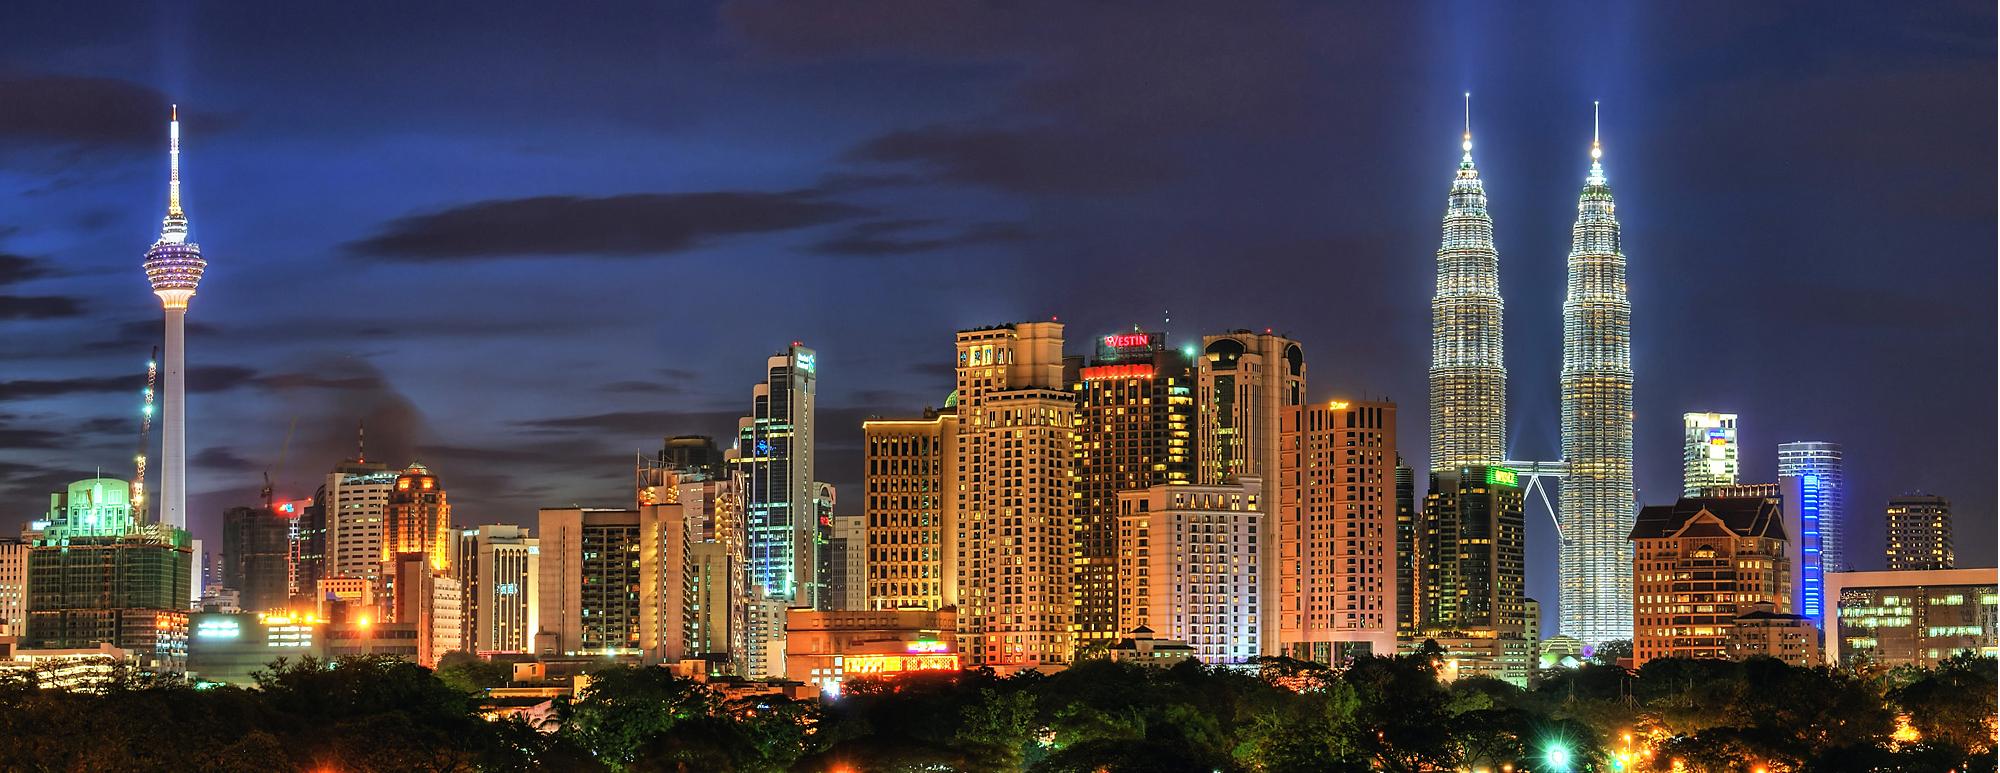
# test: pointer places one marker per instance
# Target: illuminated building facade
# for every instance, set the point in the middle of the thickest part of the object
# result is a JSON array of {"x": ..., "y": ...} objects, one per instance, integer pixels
[
  {"x": 1471, "y": 546},
  {"x": 827, "y": 648},
  {"x": 306, "y": 552},
  {"x": 1708, "y": 451},
  {"x": 174, "y": 267},
  {"x": 774, "y": 454},
  {"x": 1135, "y": 417},
  {"x": 1598, "y": 500},
  {"x": 1763, "y": 631},
  {"x": 666, "y": 593},
  {"x": 1337, "y": 552},
  {"x": 357, "y": 493},
  {"x": 1015, "y": 446},
  {"x": 94, "y": 575},
  {"x": 1700, "y": 564},
  {"x": 1407, "y": 579},
  {"x": 416, "y": 518},
  {"x": 1249, "y": 387},
  {"x": 1919, "y": 533},
  {"x": 1188, "y": 566},
  {"x": 432, "y": 599},
  {"x": 231, "y": 648},
  {"x": 13, "y": 587},
  {"x": 847, "y": 557},
  {"x": 590, "y": 576},
  {"x": 498, "y": 570},
  {"x": 1913, "y": 617},
  {"x": 910, "y": 505},
  {"x": 1468, "y": 376},
  {"x": 256, "y": 557}
]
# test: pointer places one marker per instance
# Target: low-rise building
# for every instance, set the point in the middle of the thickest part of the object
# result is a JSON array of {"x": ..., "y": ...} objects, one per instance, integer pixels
[
  {"x": 1911, "y": 617},
  {"x": 231, "y": 648},
  {"x": 826, "y": 648},
  {"x": 1697, "y": 564},
  {"x": 1141, "y": 647},
  {"x": 1765, "y": 631}
]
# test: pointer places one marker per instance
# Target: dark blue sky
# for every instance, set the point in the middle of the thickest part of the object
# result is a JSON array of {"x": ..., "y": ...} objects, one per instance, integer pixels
[{"x": 526, "y": 240}]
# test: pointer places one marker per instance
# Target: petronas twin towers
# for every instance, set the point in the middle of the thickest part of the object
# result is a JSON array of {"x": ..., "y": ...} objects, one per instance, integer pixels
[{"x": 1468, "y": 381}]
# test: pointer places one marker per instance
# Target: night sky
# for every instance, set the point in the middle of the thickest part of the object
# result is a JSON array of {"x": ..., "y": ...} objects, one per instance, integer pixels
[{"x": 525, "y": 241}]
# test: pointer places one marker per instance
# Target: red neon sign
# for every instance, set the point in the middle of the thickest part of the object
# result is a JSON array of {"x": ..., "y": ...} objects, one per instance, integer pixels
[{"x": 1128, "y": 340}]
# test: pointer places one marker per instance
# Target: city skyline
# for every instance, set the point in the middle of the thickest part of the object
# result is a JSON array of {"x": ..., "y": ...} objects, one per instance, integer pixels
[{"x": 332, "y": 324}]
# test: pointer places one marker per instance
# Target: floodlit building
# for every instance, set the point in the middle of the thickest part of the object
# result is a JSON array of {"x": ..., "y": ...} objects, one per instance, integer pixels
[
  {"x": 1700, "y": 564},
  {"x": 417, "y": 518},
  {"x": 589, "y": 577},
  {"x": 498, "y": 571},
  {"x": 666, "y": 576},
  {"x": 95, "y": 576},
  {"x": 1249, "y": 388},
  {"x": 1471, "y": 544},
  {"x": 1135, "y": 416},
  {"x": 1911, "y": 617},
  {"x": 827, "y": 648},
  {"x": 910, "y": 503},
  {"x": 1708, "y": 453},
  {"x": 1468, "y": 375},
  {"x": 429, "y": 598},
  {"x": 357, "y": 492},
  {"x": 13, "y": 587},
  {"x": 1919, "y": 533},
  {"x": 1188, "y": 566},
  {"x": 774, "y": 455},
  {"x": 1015, "y": 446},
  {"x": 1598, "y": 494},
  {"x": 1818, "y": 479},
  {"x": 1337, "y": 551}
]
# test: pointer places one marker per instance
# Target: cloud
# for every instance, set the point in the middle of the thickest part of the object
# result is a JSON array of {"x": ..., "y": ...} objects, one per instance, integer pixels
[
  {"x": 641, "y": 387},
  {"x": 209, "y": 378},
  {"x": 888, "y": 237},
  {"x": 39, "y": 307},
  {"x": 23, "y": 438},
  {"x": 15, "y": 269},
  {"x": 219, "y": 458},
  {"x": 321, "y": 381},
  {"x": 1033, "y": 160},
  {"x": 44, "y": 107},
  {"x": 624, "y": 226}
]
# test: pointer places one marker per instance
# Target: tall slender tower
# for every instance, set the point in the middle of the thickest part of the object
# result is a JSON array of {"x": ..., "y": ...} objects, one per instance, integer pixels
[
  {"x": 1468, "y": 378},
  {"x": 1597, "y": 497},
  {"x": 174, "y": 267}
]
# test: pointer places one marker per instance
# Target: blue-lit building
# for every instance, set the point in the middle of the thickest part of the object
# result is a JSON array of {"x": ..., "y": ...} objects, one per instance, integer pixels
[
  {"x": 1811, "y": 475},
  {"x": 774, "y": 453}
]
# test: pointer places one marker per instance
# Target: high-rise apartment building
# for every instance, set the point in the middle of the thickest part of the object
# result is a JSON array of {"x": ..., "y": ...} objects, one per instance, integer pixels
[
  {"x": 1135, "y": 416},
  {"x": 1016, "y": 424},
  {"x": 13, "y": 587},
  {"x": 1468, "y": 376},
  {"x": 430, "y": 598},
  {"x": 666, "y": 580},
  {"x": 1336, "y": 568},
  {"x": 1188, "y": 566},
  {"x": 357, "y": 492},
  {"x": 589, "y": 594},
  {"x": 1407, "y": 523},
  {"x": 1919, "y": 533},
  {"x": 416, "y": 518},
  {"x": 847, "y": 557},
  {"x": 910, "y": 504},
  {"x": 1700, "y": 564},
  {"x": 498, "y": 571},
  {"x": 1812, "y": 473},
  {"x": 256, "y": 558},
  {"x": 1599, "y": 500},
  {"x": 1249, "y": 387},
  {"x": 1708, "y": 453},
  {"x": 775, "y": 457}
]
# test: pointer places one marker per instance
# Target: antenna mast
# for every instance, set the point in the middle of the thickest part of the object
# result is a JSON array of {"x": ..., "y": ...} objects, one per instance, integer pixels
[{"x": 145, "y": 431}]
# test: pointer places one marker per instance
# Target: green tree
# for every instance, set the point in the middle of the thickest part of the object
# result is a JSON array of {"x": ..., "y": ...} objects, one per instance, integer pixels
[
  {"x": 1953, "y": 705},
  {"x": 624, "y": 709},
  {"x": 996, "y": 730}
]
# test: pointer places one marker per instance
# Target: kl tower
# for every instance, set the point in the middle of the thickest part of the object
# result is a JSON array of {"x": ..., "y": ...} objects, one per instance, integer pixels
[{"x": 173, "y": 266}]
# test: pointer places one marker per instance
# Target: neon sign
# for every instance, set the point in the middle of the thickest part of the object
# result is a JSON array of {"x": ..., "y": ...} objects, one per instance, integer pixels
[
  {"x": 218, "y": 629},
  {"x": 1128, "y": 340},
  {"x": 1501, "y": 476},
  {"x": 926, "y": 646}
]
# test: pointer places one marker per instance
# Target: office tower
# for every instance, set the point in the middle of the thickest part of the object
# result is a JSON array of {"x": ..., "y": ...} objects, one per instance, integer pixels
[
  {"x": 1249, "y": 389},
  {"x": 1134, "y": 429},
  {"x": 1336, "y": 568},
  {"x": 499, "y": 570},
  {"x": 910, "y": 503},
  {"x": 1700, "y": 564},
  {"x": 356, "y": 494},
  {"x": 95, "y": 575},
  {"x": 825, "y": 569},
  {"x": 1709, "y": 453},
  {"x": 14, "y": 587},
  {"x": 1472, "y": 544},
  {"x": 1919, "y": 533},
  {"x": 1917, "y": 617},
  {"x": 1188, "y": 566},
  {"x": 775, "y": 458},
  {"x": 713, "y": 600},
  {"x": 589, "y": 600},
  {"x": 1819, "y": 467},
  {"x": 847, "y": 555},
  {"x": 431, "y": 598},
  {"x": 694, "y": 453},
  {"x": 1468, "y": 376},
  {"x": 1015, "y": 447},
  {"x": 1407, "y": 578},
  {"x": 666, "y": 593},
  {"x": 256, "y": 560},
  {"x": 416, "y": 518},
  {"x": 173, "y": 267},
  {"x": 1598, "y": 497},
  {"x": 308, "y": 548}
]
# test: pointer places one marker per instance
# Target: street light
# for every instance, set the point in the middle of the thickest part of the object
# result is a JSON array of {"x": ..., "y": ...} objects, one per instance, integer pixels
[{"x": 1557, "y": 756}]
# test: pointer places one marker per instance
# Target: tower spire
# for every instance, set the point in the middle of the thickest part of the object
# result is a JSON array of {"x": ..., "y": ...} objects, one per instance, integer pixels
[
  {"x": 173, "y": 229},
  {"x": 1467, "y": 144},
  {"x": 1596, "y": 147}
]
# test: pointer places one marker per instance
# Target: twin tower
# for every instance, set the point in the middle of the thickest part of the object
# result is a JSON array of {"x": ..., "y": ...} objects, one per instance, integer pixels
[{"x": 1468, "y": 381}]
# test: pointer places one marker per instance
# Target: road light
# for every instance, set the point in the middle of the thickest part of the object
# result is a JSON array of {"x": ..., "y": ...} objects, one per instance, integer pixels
[{"x": 1557, "y": 755}]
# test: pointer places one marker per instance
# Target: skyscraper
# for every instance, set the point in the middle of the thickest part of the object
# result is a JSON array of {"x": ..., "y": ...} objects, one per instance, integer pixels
[
  {"x": 1598, "y": 501},
  {"x": 1016, "y": 424},
  {"x": 1919, "y": 533},
  {"x": 357, "y": 492},
  {"x": 1468, "y": 376},
  {"x": 1249, "y": 387},
  {"x": 256, "y": 557},
  {"x": 1709, "y": 453},
  {"x": 417, "y": 518},
  {"x": 173, "y": 267},
  {"x": 1134, "y": 429},
  {"x": 589, "y": 577},
  {"x": 1337, "y": 551},
  {"x": 1407, "y": 524},
  {"x": 1471, "y": 545},
  {"x": 498, "y": 569},
  {"x": 1187, "y": 566},
  {"x": 775, "y": 457},
  {"x": 910, "y": 501},
  {"x": 1819, "y": 466}
]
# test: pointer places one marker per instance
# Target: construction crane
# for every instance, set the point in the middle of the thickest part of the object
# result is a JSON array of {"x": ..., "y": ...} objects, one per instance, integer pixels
[{"x": 145, "y": 429}]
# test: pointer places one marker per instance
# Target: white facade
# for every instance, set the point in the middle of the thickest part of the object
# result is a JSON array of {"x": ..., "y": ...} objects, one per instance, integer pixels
[
  {"x": 1188, "y": 567},
  {"x": 13, "y": 588},
  {"x": 499, "y": 567},
  {"x": 1468, "y": 376},
  {"x": 356, "y": 495}
]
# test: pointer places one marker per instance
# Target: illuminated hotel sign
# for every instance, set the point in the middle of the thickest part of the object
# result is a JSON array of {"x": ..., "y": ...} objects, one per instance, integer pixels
[
  {"x": 925, "y": 646},
  {"x": 1129, "y": 347},
  {"x": 1501, "y": 476},
  {"x": 863, "y": 665},
  {"x": 220, "y": 628}
]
